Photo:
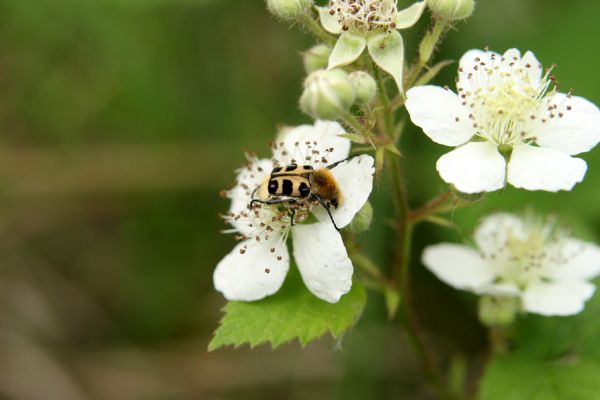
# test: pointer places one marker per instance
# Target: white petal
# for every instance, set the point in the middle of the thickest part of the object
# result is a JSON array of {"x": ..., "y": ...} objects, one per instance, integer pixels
[
  {"x": 322, "y": 260},
  {"x": 576, "y": 260},
  {"x": 538, "y": 168},
  {"x": 355, "y": 180},
  {"x": 577, "y": 131},
  {"x": 441, "y": 115},
  {"x": 564, "y": 298},
  {"x": 347, "y": 49},
  {"x": 330, "y": 145},
  {"x": 534, "y": 68},
  {"x": 387, "y": 50},
  {"x": 494, "y": 230},
  {"x": 331, "y": 23},
  {"x": 255, "y": 274},
  {"x": 470, "y": 66},
  {"x": 511, "y": 56},
  {"x": 410, "y": 15},
  {"x": 459, "y": 266},
  {"x": 473, "y": 168},
  {"x": 248, "y": 179}
]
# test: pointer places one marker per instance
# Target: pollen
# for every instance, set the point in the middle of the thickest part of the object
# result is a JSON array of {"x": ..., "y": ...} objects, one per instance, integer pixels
[
  {"x": 364, "y": 16},
  {"x": 508, "y": 97}
]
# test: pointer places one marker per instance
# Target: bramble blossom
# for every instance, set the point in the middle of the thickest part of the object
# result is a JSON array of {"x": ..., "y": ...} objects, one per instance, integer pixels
[
  {"x": 372, "y": 24},
  {"x": 510, "y": 125},
  {"x": 526, "y": 259},
  {"x": 257, "y": 266}
]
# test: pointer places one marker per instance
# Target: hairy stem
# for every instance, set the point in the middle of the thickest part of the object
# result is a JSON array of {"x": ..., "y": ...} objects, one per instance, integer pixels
[
  {"x": 350, "y": 120},
  {"x": 388, "y": 114},
  {"x": 431, "y": 207},
  {"x": 401, "y": 275},
  {"x": 312, "y": 25}
]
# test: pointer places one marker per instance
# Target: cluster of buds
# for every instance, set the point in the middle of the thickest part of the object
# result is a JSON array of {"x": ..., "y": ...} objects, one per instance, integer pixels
[
  {"x": 328, "y": 94},
  {"x": 289, "y": 10},
  {"x": 452, "y": 10}
]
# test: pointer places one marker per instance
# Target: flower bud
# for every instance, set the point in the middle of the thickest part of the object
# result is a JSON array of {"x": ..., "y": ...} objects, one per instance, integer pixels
[
  {"x": 362, "y": 220},
  {"x": 364, "y": 85},
  {"x": 327, "y": 94},
  {"x": 316, "y": 58},
  {"x": 289, "y": 10},
  {"x": 452, "y": 10},
  {"x": 498, "y": 311}
]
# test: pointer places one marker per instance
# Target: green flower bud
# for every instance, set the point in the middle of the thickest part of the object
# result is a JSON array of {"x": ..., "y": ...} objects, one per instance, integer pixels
[
  {"x": 289, "y": 10},
  {"x": 316, "y": 57},
  {"x": 452, "y": 10},
  {"x": 362, "y": 220},
  {"x": 498, "y": 311},
  {"x": 327, "y": 94},
  {"x": 365, "y": 86}
]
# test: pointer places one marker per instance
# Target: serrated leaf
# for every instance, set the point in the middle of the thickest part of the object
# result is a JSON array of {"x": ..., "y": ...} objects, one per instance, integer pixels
[
  {"x": 292, "y": 313},
  {"x": 554, "y": 359}
]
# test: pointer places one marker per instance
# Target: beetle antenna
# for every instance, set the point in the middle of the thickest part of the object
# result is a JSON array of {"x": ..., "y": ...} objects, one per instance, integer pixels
[
  {"x": 335, "y": 164},
  {"x": 326, "y": 207}
]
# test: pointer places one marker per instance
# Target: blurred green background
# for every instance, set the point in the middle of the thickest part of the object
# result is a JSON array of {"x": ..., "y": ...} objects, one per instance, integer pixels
[{"x": 120, "y": 122}]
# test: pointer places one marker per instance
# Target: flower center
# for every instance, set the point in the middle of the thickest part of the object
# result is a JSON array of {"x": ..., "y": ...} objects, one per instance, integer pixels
[
  {"x": 364, "y": 16},
  {"x": 525, "y": 255},
  {"x": 506, "y": 98}
]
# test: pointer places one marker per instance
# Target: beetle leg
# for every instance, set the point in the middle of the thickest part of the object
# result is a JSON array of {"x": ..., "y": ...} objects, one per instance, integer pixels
[{"x": 326, "y": 207}]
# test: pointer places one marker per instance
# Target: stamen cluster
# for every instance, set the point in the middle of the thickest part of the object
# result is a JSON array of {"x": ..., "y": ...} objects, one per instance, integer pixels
[
  {"x": 506, "y": 98},
  {"x": 364, "y": 16}
]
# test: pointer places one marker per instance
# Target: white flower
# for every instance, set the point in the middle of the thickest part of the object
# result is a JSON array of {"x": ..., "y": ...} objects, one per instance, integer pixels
[
  {"x": 372, "y": 24},
  {"x": 257, "y": 266},
  {"x": 526, "y": 259},
  {"x": 506, "y": 108}
]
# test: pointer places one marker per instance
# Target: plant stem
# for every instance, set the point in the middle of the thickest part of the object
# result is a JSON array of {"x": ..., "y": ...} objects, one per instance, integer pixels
[
  {"x": 388, "y": 115},
  {"x": 427, "y": 47},
  {"x": 401, "y": 274},
  {"x": 349, "y": 119},
  {"x": 430, "y": 207},
  {"x": 314, "y": 27}
]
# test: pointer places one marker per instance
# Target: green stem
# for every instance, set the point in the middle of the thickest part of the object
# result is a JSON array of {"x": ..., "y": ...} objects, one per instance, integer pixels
[
  {"x": 388, "y": 115},
  {"x": 498, "y": 337},
  {"x": 427, "y": 47},
  {"x": 314, "y": 27},
  {"x": 368, "y": 267},
  {"x": 401, "y": 273},
  {"x": 349, "y": 119},
  {"x": 431, "y": 207}
]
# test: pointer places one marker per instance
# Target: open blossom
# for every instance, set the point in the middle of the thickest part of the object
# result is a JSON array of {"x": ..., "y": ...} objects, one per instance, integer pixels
[
  {"x": 257, "y": 266},
  {"x": 523, "y": 258},
  {"x": 372, "y": 24},
  {"x": 510, "y": 123}
]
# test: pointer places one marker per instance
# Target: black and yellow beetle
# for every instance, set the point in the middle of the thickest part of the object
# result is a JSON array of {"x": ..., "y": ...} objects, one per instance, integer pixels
[{"x": 298, "y": 185}]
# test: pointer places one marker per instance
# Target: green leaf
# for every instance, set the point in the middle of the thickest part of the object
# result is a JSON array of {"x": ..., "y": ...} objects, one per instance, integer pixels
[
  {"x": 554, "y": 359},
  {"x": 292, "y": 313},
  {"x": 347, "y": 49},
  {"x": 387, "y": 51}
]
